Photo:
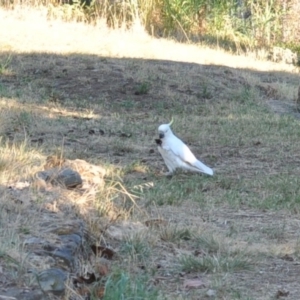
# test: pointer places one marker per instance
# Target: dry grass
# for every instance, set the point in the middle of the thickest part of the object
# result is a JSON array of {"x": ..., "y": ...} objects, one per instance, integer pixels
[{"x": 79, "y": 91}]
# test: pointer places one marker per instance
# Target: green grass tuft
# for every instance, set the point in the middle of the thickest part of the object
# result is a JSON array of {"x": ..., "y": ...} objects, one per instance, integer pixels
[{"x": 124, "y": 286}]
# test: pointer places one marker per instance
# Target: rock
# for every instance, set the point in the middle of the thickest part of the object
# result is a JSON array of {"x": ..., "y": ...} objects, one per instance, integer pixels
[
  {"x": 72, "y": 241},
  {"x": 66, "y": 228},
  {"x": 52, "y": 280},
  {"x": 58, "y": 241},
  {"x": 66, "y": 252},
  {"x": 63, "y": 257},
  {"x": 15, "y": 293},
  {"x": 33, "y": 241},
  {"x": 58, "y": 246},
  {"x": 55, "y": 170},
  {"x": 285, "y": 55},
  {"x": 69, "y": 178},
  {"x": 90, "y": 173},
  {"x": 59, "y": 249},
  {"x": 65, "y": 177},
  {"x": 40, "y": 260}
]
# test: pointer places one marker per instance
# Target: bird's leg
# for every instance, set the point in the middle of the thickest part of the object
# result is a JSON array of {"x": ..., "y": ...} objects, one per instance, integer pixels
[{"x": 170, "y": 173}]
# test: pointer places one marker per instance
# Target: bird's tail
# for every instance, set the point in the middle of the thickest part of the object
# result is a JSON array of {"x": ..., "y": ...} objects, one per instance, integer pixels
[{"x": 204, "y": 169}]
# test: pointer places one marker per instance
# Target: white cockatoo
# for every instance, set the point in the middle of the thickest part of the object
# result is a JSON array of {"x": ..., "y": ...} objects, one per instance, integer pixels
[{"x": 176, "y": 154}]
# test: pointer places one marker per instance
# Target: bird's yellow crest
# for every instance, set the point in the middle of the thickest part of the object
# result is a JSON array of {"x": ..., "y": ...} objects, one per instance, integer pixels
[{"x": 171, "y": 122}]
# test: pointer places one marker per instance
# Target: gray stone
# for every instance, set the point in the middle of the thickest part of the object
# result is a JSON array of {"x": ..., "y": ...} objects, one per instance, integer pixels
[
  {"x": 15, "y": 293},
  {"x": 65, "y": 177},
  {"x": 52, "y": 280}
]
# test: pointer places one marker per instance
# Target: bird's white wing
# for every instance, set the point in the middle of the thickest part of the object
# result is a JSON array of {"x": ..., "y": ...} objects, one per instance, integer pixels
[{"x": 183, "y": 152}]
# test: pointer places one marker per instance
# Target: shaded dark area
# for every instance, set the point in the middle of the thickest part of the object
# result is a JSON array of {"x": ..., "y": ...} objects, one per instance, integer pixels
[
  {"x": 92, "y": 79},
  {"x": 138, "y": 90}
]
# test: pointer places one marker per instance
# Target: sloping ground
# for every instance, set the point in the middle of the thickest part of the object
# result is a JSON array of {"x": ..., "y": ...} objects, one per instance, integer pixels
[{"x": 99, "y": 95}]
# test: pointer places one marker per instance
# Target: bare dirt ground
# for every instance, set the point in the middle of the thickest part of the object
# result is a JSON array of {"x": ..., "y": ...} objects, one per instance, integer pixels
[{"x": 100, "y": 95}]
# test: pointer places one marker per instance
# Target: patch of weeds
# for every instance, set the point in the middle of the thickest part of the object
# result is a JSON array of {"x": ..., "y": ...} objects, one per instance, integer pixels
[
  {"x": 204, "y": 94},
  {"x": 74, "y": 12},
  {"x": 136, "y": 247},
  {"x": 168, "y": 194},
  {"x": 106, "y": 201},
  {"x": 3, "y": 164},
  {"x": 24, "y": 230},
  {"x": 193, "y": 264},
  {"x": 23, "y": 119},
  {"x": 174, "y": 234},
  {"x": 142, "y": 89},
  {"x": 104, "y": 208},
  {"x": 215, "y": 263},
  {"x": 208, "y": 244},
  {"x": 246, "y": 95},
  {"x": 128, "y": 104},
  {"x": 4, "y": 63},
  {"x": 123, "y": 286},
  {"x": 19, "y": 157}
]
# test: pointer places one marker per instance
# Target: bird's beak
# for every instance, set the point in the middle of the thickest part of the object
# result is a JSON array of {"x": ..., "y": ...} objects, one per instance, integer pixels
[{"x": 161, "y": 135}]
